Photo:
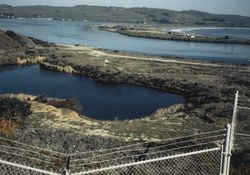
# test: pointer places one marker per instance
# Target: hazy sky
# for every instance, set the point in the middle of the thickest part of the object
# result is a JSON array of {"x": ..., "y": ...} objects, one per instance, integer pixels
[{"x": 240, "y": 7}]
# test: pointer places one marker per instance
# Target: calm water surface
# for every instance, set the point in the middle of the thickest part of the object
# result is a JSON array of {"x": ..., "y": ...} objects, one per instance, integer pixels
[
  {"x": 88, "y": 32},
  {"x": 99, "y": 100}
]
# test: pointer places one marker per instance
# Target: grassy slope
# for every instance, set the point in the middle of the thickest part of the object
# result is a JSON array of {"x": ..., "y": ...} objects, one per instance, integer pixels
[
  {"x": 7, "y": 43},
  {"x": 119, "y": 14}
]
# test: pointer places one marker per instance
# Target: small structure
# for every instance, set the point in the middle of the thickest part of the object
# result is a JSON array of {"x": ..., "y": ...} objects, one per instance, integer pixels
[
  {"x": 106, "y": 61},
  {"x": 145, "y": 20}
]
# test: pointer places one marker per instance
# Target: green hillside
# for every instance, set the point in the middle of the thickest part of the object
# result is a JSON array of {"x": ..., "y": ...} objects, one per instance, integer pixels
[{"x": 119, "y": 14}]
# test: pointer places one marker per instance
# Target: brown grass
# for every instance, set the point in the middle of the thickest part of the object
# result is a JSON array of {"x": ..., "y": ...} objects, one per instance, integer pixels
[
  {"x": 7, "y": 127},
  {"x": 7, "y": 43}
]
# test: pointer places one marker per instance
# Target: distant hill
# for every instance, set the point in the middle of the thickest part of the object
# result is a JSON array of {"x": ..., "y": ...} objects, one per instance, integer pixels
[{"x": 130, "y": 15}]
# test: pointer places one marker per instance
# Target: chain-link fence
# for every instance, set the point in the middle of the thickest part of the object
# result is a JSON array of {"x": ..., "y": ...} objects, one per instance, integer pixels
[
  {"x": 201, "y": 162},
  {"x": 241, "y": 127},
  {"x": 242, "y": 130},
  {"x": 194, "y": 154},
  {"x": 133, "y": 153},
  {"x": 8, "y": 168},
  {"x": 20, "y": 159},
  {"x": 203, "y": 154}
]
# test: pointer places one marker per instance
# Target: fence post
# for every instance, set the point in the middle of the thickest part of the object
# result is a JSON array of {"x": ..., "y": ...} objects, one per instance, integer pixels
[
  {"x": 226, "y": 152},
  {"x": 234, "y": 119},
  {"x": 67, "y": 169}
]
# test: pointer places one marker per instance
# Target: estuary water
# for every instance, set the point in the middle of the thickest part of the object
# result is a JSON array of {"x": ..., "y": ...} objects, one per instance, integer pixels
[
  {"x": 99, "y": 100},
  {"x": 72, "y": 32}
]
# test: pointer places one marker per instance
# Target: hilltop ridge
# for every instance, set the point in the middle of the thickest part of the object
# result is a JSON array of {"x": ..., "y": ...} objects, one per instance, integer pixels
[{"x": 127, "y": 15}]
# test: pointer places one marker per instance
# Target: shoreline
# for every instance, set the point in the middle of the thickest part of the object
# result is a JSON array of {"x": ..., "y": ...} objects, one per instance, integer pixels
[{"x": 94, "y": 71}]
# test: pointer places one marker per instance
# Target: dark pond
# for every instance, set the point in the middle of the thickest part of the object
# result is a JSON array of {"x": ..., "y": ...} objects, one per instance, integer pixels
[{"x": 99, "y": 100}]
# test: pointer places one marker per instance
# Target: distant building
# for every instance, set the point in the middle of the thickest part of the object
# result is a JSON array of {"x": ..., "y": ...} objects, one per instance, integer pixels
[
  {"x": 145, "y": 20},
  {"x": 7, "y": 15}
]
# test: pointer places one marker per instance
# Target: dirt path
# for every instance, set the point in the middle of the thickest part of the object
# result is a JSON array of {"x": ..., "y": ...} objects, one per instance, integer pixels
[{"x": 97, "y": 53}]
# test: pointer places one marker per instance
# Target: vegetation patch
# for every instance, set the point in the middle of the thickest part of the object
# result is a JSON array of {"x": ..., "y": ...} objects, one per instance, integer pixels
[
  {"x": 7, "y": 127},
  {"x": 13, "y": 109},
  {"x": 72, "y": 104}
]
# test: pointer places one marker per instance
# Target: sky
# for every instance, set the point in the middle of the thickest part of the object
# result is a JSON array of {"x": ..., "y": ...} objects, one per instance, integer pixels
[{"x": 239, "y": 7}]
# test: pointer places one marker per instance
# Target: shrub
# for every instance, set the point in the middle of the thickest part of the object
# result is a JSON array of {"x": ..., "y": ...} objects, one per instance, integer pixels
[
  {"x": 7, "y": 127},
  {"x": 11, "y": 34},
  {"x": 13, "y": 109},
  {"x": 72, "y": 104}
]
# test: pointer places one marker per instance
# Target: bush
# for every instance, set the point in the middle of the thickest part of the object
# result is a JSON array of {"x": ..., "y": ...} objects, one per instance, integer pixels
[
  {"x": 7, "y": 127},
  {"x": 13, "y": 109},
  {"x": 72, "y": 104},
  {"x": 11, "y": 34}
]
